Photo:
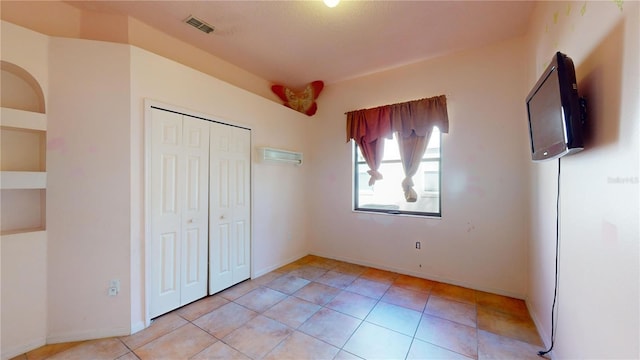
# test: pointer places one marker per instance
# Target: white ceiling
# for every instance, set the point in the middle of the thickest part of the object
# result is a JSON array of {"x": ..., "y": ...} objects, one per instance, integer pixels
[{"x": 295, "y": 42}]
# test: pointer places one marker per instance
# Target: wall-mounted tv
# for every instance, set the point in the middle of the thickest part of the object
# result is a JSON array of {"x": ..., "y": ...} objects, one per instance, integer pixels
[{"x": 556, "y": 112}]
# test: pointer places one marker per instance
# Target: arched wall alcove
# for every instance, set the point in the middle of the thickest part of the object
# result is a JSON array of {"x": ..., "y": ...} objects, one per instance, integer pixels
[
  {"x": 20, "y": 90},
  {"x": 23, "y": 208}
]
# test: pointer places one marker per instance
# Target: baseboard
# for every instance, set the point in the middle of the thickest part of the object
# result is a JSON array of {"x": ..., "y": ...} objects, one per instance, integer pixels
[
  {"x": 541, "y": 331},
  {"x": 421, "y": 275},
  {"x": 137, "y": 326},
  {"x": 87, "y": 335},
  {"x": 22, "y": 348},
  {"x": 269, "y": 269}
]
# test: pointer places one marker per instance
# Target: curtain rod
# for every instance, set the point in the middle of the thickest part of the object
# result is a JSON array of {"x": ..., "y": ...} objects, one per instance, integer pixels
[{"x": 399, "y": 103}]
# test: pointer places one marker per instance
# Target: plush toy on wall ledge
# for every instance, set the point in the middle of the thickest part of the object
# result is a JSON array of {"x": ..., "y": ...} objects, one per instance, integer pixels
[{"x": 302, "y": 101}]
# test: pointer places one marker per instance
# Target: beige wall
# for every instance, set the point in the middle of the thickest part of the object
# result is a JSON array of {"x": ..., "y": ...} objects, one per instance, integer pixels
[
  {"x": 279, "y": 191},
  {"x": 23, "y": 256},
  {"x": 88, "y": 215},
  {"x": 72, "y": 22},
  {"x": 597, "y": 311},
  {"x": 481, "y": 239},
  {"x": 95, "y": 164}
]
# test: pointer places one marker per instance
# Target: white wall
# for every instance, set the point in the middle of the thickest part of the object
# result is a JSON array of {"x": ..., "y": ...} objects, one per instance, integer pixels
[
  {"x": 279, "y": 191},
  {"x": 480, "y": 241},
  {"x": 88, "y": 198},
  {"x": 598, "y": 303}
]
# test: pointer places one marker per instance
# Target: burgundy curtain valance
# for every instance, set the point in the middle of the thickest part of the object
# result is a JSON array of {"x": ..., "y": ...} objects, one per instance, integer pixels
[
  {"x": 380, "y": 122},
  {"x": 412, "y": 120},
  {"x": 420, "y": 116}
]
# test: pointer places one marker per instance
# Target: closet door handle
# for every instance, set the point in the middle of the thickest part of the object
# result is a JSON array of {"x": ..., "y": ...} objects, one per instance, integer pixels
[
  {"x": 221, "y": 217},
  {"x": 192, "y": 221}
]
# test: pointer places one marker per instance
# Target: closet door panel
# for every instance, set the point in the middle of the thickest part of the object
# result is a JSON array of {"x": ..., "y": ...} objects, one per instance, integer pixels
[
  {"x": 195, "y": 210},
  {"x": 169, "y": 251},
  {"x": 166, "y": 202},
  {"x": 229, "y": 207},
  {"x": 221, "y": 238},
  {"x": 242, "y": 204}
]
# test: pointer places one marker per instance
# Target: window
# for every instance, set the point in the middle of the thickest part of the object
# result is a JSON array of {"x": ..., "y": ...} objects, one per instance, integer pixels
[{"x": 386, "y": 195}]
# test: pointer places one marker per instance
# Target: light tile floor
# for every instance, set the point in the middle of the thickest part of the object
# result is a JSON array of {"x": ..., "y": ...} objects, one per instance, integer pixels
[{"x": 318, "y": 308}]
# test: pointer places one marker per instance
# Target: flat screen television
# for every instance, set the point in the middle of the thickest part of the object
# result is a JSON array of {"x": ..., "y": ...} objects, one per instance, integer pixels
[{"x": 556, "y": 112}]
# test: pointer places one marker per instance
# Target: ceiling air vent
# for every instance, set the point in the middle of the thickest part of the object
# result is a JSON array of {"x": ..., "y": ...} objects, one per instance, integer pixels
[{"x": 199, "y": 24}]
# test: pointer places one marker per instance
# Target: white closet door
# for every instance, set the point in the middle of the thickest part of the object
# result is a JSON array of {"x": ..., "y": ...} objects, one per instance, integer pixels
[
  {"x": 179, "y": 192},
  {"x": 229, "y": 207},
  {"x": 195, "y": 214}
]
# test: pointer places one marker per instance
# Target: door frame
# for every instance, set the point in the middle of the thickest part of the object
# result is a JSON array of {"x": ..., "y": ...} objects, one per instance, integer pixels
[{"x": 150, "y": 104}]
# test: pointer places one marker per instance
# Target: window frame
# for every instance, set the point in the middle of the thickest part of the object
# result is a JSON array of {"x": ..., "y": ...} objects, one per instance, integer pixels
[{"x": 356, "y": 187}]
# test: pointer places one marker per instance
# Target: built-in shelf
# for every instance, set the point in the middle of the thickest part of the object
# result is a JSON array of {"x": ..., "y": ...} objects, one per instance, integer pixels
[
  {"x": 267, "y": 154},
  {"x": 23, "y": 180},
  {"x": 23, "y": 119},
  {"x": 23, "y": 233},
  {"x": 23, "y": 177},
  {"x": 23, "y": 196}
]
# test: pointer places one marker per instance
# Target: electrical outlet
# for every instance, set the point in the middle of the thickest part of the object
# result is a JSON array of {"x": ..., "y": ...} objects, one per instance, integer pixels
[
  {"x": 418, "y": 245},
  {"x": 114, "y": 287}
]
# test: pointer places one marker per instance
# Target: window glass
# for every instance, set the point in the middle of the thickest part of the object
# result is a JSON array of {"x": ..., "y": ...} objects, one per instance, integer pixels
[{"x": 386, "y": 195}]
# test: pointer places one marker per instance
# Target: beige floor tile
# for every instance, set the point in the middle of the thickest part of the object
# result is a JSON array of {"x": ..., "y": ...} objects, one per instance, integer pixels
[
  {"x": 292, "y": 311},
  {"x": 366, "y": 311},
  {"x": 492, "y": 346},
  {"x": 220, "y": 351},
  {"x": 107, "y": 349},
  {"x": 307, "y": 259},
  {"x": 415, "y": 300},
  {"x": 323, "y": 263},
  {"x": 160, "y": 326},
  {"x": 414, "y": 283},
  {"x": 375, "y": 342},
  {"x": 343, "y": 355},
  {"x": 50, "y": 350},
  {"x": 260, "y": 299},
  {"x": 394, "y": 317},
  {"x": 317, "y": 293},
  {"x": 352, "y": 304},
  {"x": 201, "y": 307},
  {"x": 368, "y": 288},
  {"x": 449, "y": 335},
  {"x": 128, "y": 356},
  {"x": 386, "y": 277},
  {"x": 223, "y": 320},
  {"x": 287, "y": 284},
  {"x": 302, "y": 346},
  {"x": 308, "y": 272},
  {"x": 350, "y": 269},
  {"x": 267, "y": 278},
  {"x": 336, "y": 279},
  {"x": 181, "y": 343},
  {"x": 238, "y": 290},
  {"x": 330, "y": 326},
  {"x": 502, "y": 304},
  {"x": 421, "y": 350},
  {"x": 289, "y": 267},
  {"x": 453, "y": 292},
  {"x": 462, "y": 313},
  {"x": 516, "y": 327},
  {"x": 258, "y": 336}
]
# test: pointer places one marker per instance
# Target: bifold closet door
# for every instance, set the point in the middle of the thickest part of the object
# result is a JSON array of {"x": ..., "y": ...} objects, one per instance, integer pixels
[
  {"x": 229, "y": 207},
  {"x": 179, "y": 180}
]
